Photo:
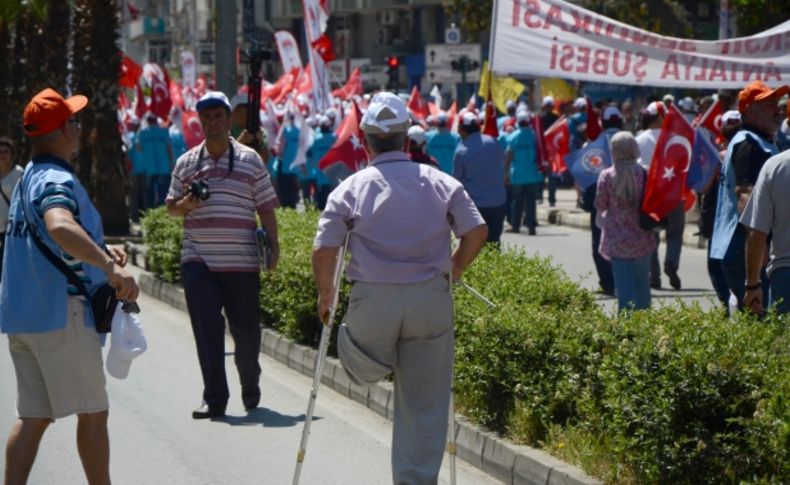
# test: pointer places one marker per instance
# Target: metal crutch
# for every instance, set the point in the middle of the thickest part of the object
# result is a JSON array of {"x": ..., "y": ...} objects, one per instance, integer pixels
[
  {"x": 476, "y": 293},
  {"x": 323, "y": 347}
]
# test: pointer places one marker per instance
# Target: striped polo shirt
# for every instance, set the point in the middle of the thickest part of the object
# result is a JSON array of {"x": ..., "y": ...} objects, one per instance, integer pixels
[{"x": 221, "y": 232}]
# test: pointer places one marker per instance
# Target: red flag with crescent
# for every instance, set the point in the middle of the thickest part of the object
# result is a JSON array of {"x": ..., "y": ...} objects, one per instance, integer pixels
[
  {"x": 130, "y": 72},
  {"x": 353, "y": 86},
  {"x": 665, "y": 186},
  {"x": 323, "y": 46},
  {"x": 348, "y": 153},
  {"x": 543, "y": 158},
  {"x": 557, "y": 144},
  {"x": 593, "y": 129},
  {"x": 160, "y": 97},
  {"x": 711, "y": 120},
  {"x": 417, "y": 105},
  {"x": 191, "y": 128}
]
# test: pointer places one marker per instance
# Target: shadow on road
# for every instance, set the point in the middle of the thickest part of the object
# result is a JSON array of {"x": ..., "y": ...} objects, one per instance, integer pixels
[{"x": 266, "y": 417}]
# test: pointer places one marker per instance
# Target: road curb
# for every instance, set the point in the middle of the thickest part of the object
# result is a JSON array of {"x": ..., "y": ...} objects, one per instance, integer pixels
[{"x": 505, "y": 461}]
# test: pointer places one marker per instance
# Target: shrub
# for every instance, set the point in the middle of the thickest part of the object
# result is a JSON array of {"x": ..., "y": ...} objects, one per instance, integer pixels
[{"x": 671, "y": 395}]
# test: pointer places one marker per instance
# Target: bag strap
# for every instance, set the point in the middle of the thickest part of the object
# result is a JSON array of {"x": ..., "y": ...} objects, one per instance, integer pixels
[
  {"x": 5, "y": 197},
  {"x": 61, "y": 265}
]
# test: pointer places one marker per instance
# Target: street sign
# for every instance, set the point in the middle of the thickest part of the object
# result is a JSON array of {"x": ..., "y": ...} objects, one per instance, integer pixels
[
  {"x": 452, "y": 35},
  {"x": 439, "y": 59}
]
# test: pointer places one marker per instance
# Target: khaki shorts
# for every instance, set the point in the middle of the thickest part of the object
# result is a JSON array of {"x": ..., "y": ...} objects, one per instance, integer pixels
[{"x": 59, "y": 373}]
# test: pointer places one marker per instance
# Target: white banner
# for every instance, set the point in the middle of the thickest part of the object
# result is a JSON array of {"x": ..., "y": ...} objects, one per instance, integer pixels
[
  {"x": 188, "y": 72},
  {"x": 553, "y": 38},
  {"x": 315, "y": 19},
  {"x": 289, "y": 51}
]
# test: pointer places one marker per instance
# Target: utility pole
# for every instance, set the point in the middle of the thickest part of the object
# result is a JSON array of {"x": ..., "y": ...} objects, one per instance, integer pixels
[
  {"x": 464, "y": 64},
  {"x": 225, "y": 47}
]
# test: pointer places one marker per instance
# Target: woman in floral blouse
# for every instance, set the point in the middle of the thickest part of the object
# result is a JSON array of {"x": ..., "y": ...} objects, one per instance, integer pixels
[{"x": 623, "y": 242}]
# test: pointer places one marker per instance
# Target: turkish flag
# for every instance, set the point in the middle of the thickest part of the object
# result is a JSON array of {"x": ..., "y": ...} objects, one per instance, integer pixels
[
  {"x": 139, "y": 102},
  {"x": 353, "y": 86},
  {"x": 711, "y": 120},
  {"x": 593, "y": 125},
  {"x": 489, "y": 123},
  {"x": 324, "y": 48},
  {"x": 557, "y": 144},
  {"x": 191, "y": 128},
  {"x": 176, "y": 95},
  {"x": 348, "y": 153},
  {"x": 665, "y": 186},
  {"x": 289, "y": 82},
  {"x": 160, "y": 97},
  {"x": 417, "y": 105},
  {"x": 543, "y": 159},
  {"x": 130, "y": 72}
]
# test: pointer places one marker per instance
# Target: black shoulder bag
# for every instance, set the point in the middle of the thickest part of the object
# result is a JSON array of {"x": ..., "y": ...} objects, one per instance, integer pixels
[{"x": 103, "y": 301}]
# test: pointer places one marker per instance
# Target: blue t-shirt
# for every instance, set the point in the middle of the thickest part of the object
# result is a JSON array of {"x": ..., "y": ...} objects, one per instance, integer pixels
[
  {"x": 291, "y": 146},
  {"x": 524, "y": 166},
  {"x": 322, "y": 143},
  {"x": 33, "y": 292},
  {"x": 177, "y": 142},
  {"x": 442, "y": 146},
  {"x": 153, "y": 142},
  {"x": 479, "y": 164},
  {"x": 134, "y": 156}
]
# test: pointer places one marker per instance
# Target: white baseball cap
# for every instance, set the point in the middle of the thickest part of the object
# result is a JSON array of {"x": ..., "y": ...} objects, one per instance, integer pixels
[
  {"x": 468, "y": 118},
  {"x": 731, "y": 115},
  {"x": 522, "y": 115},
  {"x": 442, "y": 118},
  {"x": 212, "y": 99},
  {"x": 417, "y": 134},
  {"x": 656, "y": 108},
  {"x": 687, "y": 104},
  {"x": 324, "y": 120},
  {"x": 387, "y": 113},
  {"x": 238, "y": 100},
  {"x": 127, "y": 341},
  {"x": 580, "y": 103},
  {"x": 611, "y": 112},
  {"x": 548, "y": 100},
  {"x": 510, "y": 104}
]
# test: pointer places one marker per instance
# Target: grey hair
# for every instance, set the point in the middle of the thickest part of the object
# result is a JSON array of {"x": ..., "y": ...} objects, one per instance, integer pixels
[
  {"x": 391, "y": 142},
  {"x": 625, "y": 151}
]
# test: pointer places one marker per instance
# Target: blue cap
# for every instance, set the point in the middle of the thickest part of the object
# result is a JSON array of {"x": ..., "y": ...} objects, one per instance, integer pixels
[{"x": 212, "y": 99}]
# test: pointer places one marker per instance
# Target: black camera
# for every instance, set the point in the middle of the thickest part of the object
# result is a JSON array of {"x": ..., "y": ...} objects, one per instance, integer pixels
[{"x": 199, "y": 189}]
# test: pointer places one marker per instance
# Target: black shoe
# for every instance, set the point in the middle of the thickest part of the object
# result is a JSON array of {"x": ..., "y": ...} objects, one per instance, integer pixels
[
  {"x": 674, "y": 279},
  {"x": 207, "y": 412},
  {"x": 532, "y": 231},
  {"x": 251, "y": 402},
  {"x": 605, "y": 291},
  {"x": 656, "y": 285}
]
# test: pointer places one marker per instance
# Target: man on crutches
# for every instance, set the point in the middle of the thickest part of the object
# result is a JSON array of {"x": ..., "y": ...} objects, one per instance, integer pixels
[{"x": 400, "y": 313}]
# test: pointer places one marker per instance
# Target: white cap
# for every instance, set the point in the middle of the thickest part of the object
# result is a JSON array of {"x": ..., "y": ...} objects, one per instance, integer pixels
[
  {"x": 656, "y": 108},
  {"x": 430, "y": 120},
  {"x": 580, "y": 103},
  {"x": 548, "y": 100},
  {"x": 442, "y": 117},
  {"x": 611, "y": 112},
  {"x": 481, "y": 117},
  {"x": 237, "y": 100},
  {"x": 510, "y": 104},
  {"x": 332, "y": 113},
  {"x": 522, "y": 115},
  {"x": 387, "y": 113},
  {"x": 311, "y": 121},
  {"x": 687, "y": 104},
  {"x": 668, "y": 98},
  {"x": 468, "y": 118},
  {"x": 417, "y": 134},
  {"x": 731, "y": 115},
  {"x": 127, "y": 341},
  {"x": 324, "y": 120},
  {"x": 212, "y": 99}
]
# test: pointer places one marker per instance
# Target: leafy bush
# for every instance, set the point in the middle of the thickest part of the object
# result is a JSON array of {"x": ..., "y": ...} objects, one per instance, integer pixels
[{"x": 671, "y": 395}]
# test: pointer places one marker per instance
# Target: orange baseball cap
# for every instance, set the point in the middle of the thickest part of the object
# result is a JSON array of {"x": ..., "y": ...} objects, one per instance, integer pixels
[
  {"x": 758, "y": 91},
  {"x": 47, "y": 111}
]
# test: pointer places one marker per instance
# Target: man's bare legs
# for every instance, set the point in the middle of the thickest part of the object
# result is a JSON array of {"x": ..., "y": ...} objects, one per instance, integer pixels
[
  {"x": 93, "y": 443},
  {"x": 22, "y": 447}
]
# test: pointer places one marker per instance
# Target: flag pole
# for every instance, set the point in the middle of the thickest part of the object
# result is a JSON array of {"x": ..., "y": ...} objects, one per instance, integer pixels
[{"x": 492, "y": 40}]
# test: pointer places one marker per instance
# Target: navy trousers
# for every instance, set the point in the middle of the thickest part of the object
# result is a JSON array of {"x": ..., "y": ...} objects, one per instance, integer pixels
[{"x": 207, "y": 294}]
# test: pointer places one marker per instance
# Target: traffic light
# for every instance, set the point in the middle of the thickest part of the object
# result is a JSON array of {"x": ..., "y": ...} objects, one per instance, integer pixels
[{"x": 393, "y": 71}]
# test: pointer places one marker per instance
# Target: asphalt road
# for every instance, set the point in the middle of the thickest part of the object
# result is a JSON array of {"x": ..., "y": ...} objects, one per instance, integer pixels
[
  {"x": 571, "y": 249},
  {"x": 155, "y": 441}
]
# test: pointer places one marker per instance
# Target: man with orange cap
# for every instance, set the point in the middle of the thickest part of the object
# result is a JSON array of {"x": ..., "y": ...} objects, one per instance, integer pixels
[
  {"x": 746, "y": 154},
  {"x": 51, "y": 331}
]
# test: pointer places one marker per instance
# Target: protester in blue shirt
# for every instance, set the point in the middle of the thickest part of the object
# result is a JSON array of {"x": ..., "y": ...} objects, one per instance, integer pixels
[
  {"x": 138, "y": 176},
  {"x": 288, "y": 176},
  {"x": 442, "y": 143},
  {"x": 479, "y": 164},
  {"x": 523, "y": 174},
  {"x": 324, "y": 140},
  {"x": 307, "y": 175},
  {"x": 156, "y": 153},
  {"x": 510, "y": 108},
  {"x": 51, "y": 336}
]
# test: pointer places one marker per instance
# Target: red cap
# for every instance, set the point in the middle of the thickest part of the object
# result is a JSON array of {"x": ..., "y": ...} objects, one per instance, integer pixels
[
  {"x": 48, "y": 111},
  {"x": 758, "y": 91}
]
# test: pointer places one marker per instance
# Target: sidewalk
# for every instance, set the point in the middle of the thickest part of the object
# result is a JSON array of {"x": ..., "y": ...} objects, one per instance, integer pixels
[{"x": 565, "y": 213}]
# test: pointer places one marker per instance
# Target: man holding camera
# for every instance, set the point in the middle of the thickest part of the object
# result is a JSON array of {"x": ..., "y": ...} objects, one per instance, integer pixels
[{"x": 218, "y": 187}]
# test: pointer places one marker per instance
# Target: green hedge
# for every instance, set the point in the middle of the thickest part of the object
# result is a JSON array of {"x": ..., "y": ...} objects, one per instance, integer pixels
[{"x": 672, "y": 395}]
